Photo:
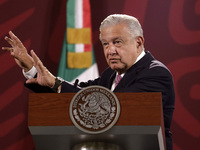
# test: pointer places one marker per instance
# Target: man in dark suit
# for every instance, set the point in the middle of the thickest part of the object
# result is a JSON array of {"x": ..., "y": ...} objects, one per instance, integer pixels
[{"x": 131, "y": 69}]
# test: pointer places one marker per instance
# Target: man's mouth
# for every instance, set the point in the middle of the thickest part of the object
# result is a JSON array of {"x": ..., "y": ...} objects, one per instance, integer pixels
[{"x": 112, "y": 60}]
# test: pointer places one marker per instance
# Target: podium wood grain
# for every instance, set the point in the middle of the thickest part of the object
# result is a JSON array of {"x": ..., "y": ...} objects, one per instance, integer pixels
[{"x": 52, "y": 109}]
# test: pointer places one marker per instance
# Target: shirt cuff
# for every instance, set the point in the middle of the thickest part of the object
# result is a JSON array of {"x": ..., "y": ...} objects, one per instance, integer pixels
[{"x": 30, "y": 74}]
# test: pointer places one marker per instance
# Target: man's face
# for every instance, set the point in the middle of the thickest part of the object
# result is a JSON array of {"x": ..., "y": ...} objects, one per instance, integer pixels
[{"x": 120, "y": 49}]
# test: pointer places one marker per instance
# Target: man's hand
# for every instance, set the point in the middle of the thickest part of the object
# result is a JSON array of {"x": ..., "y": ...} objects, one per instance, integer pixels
[
  {"x": 26, "y": 62},
  {"x": 19, "y": 52},
  {"x": 44, "y": 77}
]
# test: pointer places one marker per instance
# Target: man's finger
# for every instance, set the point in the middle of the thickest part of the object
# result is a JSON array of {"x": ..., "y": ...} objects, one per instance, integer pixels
[
  {"x": 10, "y": 41},
  {"x": 42, "y": 68},
  {"x": 35, "y": 57},
  {"x": 37, "y": 62},
  {"x": 9, "y": 49},
  {"x": 32, "y": 81},
  {"x": 15, "y": 38}
]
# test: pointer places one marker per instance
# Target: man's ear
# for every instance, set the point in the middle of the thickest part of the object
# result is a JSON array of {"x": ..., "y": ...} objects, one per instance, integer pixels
[{"x": 140, "y": 41}]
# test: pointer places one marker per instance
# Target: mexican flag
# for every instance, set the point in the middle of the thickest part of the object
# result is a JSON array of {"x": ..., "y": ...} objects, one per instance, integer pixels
[{"x": 77, "y": 57}]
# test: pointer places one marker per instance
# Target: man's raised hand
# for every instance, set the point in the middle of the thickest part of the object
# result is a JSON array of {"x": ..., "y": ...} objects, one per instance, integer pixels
[
  {"x": 44, "y": 77},
  {"x": 19, "y": 52}
]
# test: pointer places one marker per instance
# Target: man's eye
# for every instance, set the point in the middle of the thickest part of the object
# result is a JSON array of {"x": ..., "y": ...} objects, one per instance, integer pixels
[
  {"x": 117, "y": 42},
  {"x": 105, "y": 44}
]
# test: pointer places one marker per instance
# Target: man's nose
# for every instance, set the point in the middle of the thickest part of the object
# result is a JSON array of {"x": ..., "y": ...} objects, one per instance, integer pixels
[{"x": 111, "y": 49}]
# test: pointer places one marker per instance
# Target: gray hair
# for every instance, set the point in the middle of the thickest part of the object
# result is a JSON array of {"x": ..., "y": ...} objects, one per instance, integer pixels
[{"x": 131, "y": 22}]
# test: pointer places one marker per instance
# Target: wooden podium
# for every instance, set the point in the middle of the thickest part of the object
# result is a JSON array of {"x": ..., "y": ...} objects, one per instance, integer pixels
[{"x": 139, "y": 127}]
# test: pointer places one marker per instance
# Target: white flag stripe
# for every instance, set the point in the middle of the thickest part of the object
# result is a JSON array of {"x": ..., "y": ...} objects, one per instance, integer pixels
[
  {"x": 79, "y": 48},
  {"x": 79, "y": 14},
  {"x": 89, "y": 74}
]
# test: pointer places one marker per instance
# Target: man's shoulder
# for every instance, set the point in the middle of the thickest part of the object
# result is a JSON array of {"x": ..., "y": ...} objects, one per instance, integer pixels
[
  {"x": 156, "y": 63},
  {"x": 157, "y": 68},
  {"x": 149, "y": 66}
]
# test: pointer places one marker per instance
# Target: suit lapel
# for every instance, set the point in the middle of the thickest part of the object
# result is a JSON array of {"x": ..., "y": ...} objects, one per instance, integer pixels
[
  {"x": 112, "y": 77},
  {"x": 132, "y": 73},
  {"x": 127, "y": 78}
]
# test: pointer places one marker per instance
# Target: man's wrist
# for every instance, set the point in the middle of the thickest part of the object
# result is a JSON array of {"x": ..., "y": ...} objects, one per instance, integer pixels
[
  {"x": 25, "y": 61},
  {"x": 26, "y": 69},
  {"x": 58, "y": 82}
]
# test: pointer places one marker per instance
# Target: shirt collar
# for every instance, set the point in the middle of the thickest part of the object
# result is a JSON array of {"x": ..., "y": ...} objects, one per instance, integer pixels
[{"x": 140, "y": 56}]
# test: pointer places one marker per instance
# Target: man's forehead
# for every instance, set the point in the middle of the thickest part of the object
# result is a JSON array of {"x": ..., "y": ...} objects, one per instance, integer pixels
[
  {"x": 110, "y": 38},
  {"x": 111, "y": 33}
]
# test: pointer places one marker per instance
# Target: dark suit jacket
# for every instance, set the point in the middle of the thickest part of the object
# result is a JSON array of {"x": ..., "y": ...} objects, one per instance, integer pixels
[{"x": 147, "y": 75}]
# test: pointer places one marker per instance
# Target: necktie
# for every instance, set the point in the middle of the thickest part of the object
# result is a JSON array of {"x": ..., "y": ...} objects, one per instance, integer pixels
[{"x": 118, "y": 78}]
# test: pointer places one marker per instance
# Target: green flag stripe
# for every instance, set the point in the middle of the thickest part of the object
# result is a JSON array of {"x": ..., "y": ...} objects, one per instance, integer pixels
[
  {"x": 70, "y": 47},
  {"x": 71, "y": 13},
  {"x": 70, "y": 22}
]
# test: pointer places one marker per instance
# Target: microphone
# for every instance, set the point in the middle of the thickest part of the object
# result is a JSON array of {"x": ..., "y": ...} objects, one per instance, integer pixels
[{"x": 76, "y": 83}]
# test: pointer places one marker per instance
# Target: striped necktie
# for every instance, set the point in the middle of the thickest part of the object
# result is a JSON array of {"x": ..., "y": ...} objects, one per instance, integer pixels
[{"x": 118, "y": 78}]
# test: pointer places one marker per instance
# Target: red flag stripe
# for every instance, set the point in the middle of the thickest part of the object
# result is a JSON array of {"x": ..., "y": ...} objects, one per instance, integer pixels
[{"x": 87, "y": 22}]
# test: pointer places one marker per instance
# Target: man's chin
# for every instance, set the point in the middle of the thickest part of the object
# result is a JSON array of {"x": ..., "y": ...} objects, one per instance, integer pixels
[{"x": 116, "y": 68}]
